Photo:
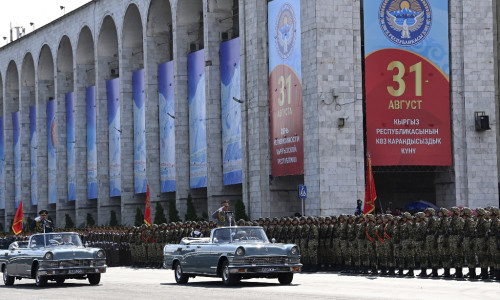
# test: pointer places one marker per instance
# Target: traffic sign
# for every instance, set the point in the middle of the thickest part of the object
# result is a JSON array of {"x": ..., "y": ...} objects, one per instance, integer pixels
[{"x": 302, "y": 190}]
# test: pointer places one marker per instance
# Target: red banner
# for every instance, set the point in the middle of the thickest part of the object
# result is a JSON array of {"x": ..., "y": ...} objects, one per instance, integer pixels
[
  {"x": 407, "y": 110},
  {"x": 287, "y": 146},
  {"x": 17, "y": 225},
  {"x": 370, "y": 192},
  {"x": 147, "y": 212}
]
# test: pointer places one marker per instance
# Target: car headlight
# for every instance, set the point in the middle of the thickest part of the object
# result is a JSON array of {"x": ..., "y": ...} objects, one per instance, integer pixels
[
  {"x": 240, "y": 251},
  {"x": 48, "y": 256},
  {"x": 100, "y": 254},
  {"x": 294, "y": 250}
]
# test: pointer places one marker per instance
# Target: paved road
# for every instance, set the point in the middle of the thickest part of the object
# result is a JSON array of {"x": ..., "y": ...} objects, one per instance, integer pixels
[{"x": 128, "y": 283}]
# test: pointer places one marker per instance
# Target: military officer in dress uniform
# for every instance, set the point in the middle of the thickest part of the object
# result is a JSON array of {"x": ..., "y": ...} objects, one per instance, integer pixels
[
  {"x": 223, "y": 216},
  {"x": 41, "y": 224}
]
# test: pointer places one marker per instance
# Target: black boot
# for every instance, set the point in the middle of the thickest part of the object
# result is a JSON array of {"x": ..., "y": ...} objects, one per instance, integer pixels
[
  {"x": 400, "y": 272},
  {"x": 410, "y": 272},
  {"x": 497, "y": 275},
  {"x": 392, "y": 271},
  {"x": 458, "y": 273},
  {"x": 374, "y": 271},
  {"x": 383, "y": 272},
  {"x": 484, "y": 273},
  {"x": 492, "y": 271},
  {"x": 446, "y": 273},
  {"x": 435, "y": 272},
  {"x": 423, "y": 273},
  {"x": 471, "y": 274}
]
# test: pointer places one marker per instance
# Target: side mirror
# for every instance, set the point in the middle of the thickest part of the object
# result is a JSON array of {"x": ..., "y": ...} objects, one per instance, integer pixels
[{"x": 273, "y": 240}]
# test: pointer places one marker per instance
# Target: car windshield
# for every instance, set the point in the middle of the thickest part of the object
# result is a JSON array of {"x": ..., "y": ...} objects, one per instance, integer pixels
[
  {"x": 60, "y": 239},
  {"x": 240, "y": 234}
]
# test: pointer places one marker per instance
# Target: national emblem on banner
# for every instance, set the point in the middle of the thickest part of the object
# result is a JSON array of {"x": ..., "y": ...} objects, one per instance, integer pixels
[
  {"x": 285, "y": 31},
  {"x": 405, "y": 22}
]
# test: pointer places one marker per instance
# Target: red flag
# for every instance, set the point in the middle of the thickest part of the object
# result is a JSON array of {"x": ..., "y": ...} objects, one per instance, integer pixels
[
  {"x": 147, "y": 213},
  {"x": 370, "y": 193},
  {"x": 17, "y": 225}
]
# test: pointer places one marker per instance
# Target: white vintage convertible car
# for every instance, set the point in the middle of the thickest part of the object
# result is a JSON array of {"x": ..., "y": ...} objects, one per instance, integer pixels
[{"x": 233, "y": 253}]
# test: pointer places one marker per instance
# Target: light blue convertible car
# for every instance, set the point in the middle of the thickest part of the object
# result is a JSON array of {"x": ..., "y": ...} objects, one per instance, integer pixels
[
  {"x": 52, "y": 256},
  {"x": 233, "y": 253}
]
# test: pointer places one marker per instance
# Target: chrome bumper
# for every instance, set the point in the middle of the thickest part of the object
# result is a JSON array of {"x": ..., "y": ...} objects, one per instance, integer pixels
[
  {"x": 264, "y": 269},
  {"x": 73, "y": 271}
]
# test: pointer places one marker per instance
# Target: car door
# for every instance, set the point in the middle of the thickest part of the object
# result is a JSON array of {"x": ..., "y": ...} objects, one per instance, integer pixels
[
  {"x": 13, "y": 259},
  {"x": 201, "y": 261}
]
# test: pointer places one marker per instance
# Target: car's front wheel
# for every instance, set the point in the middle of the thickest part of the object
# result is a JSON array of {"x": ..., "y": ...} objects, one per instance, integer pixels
[
  {"x": 7, "y": 280},
  {"x": 40, "y": 280},
  {"x": 228, "y": 278},
  {"x": 94, "y": 279},
  {"x": 285, "y": 278},
  {"x": 180, "y": 277}
]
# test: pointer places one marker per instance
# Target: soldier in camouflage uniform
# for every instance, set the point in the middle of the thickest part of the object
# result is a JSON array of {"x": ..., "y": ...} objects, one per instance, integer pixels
[
  {"x": 304, "y": 253},
  {"x": 362, "y": 259},
  {"x": 494, "y": 243},
  {"x": 431, "y": 240},
  {"x": 312, "y": 241},
  {"x": 421, "y": 257},
  {"x": 322, "y": 231},
  {"x": 289, "y": 231},
  {"x": 398, "y": 248},
  {"x": 274, "y": 229},
  {"x": 443, "y": 241},
  {"x": 344, "y": 242},
  {"x": 456, "y": 232},
  {"x": 282, "y": 231},
  {"x": 370, "y": 262},
  {"x": 481, "y": 233},
  {"x": 353, "y": 245},
  {"x": 330, "y": 259},
  {"x": 408, "y": 242},
  {"x": 379, "y": 245},
  {"x": 388, "y": 252},
  {"x": 469, "y": 242}
]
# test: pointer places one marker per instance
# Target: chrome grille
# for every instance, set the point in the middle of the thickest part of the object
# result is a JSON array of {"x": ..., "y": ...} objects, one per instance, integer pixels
[
  {"x": 74, "y": 263},
  {"x": 265, "y": 260}
]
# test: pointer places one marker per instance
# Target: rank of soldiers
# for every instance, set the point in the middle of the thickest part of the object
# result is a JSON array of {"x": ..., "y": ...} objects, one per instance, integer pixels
[{"x": 456, "y": 239}]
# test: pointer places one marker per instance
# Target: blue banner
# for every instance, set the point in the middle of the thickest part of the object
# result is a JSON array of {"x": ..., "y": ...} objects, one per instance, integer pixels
[
  {"x": 231, "y": 111},
  {"x": 140, "y": 182},
  {"x": 70, "y": 146},
  {"x": 51, "y": 151},
  {"x": 91, "y": 144},
  {"x": 197, "y": 120},
  {"x": 167, "y": 126},
  {"x": 2, "y": 166},
  {"x": 115, "y": 182},
  {"x": 33, "y": 156},
  {"x": 17, "y": 158}
]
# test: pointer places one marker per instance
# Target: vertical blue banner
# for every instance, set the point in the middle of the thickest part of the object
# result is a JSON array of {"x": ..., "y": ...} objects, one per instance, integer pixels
[
  {"x": 17, "y": 158},
  {"x": 2, "y": 166},
  {"x": 140, "y": 183},
  {"x": 197, "y": 120},
  {"x": 70, "y": 146},
  {"x": 231, "y": 112},
  {"x": 115, "y": 182},
  {"x": 91, "y": 144},
  {"x": 167, "y": 126},
  {"x": 33, "y": 156},
  {"x": 51, "y": 151}
]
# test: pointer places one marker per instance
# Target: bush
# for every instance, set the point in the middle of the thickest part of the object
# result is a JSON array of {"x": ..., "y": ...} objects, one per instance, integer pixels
[
  {"x": 191, "y": 211},
  {"x": 173, "y": 213},
  {"x": 139, "y": 217},
  {"x": 112, "y": 219},
  {"x": 90, "y": 220},
  {"x": 69, "y": 222},
  {"x": 239, "y": 211},
  {"x": 159, "y": 214}
]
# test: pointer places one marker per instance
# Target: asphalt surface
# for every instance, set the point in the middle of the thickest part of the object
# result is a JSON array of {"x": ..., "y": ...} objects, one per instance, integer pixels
[{"x": 148, "y": 284}]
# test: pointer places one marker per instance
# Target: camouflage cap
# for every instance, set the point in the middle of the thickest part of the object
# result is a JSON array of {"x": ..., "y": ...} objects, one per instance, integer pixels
[
  {"x": 389, "y": 217},
  {"x": 467, "y": 212},
  {"x": 480, "y": 211},
  {"x": 430, "y": 210},
  {"x": 444, "y": 211},
  {"x": 455, "y": 210},
  {"x": 407, "y": 216},
  {"x": 420, "y": 215},
  {"x": 495, "y": 211},
  {"x": 370, "y": 217}
]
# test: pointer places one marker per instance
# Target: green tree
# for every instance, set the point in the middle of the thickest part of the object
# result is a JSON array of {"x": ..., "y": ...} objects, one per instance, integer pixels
[
  {"x": 240, "y": 211},
  {"x": 90, "y": 220},
  {"x": 113, "y": 221},
  {"x": 139, "y": 217},
  {"x": 69, "y": 222},
  {"x": 159, "y": 214},
  {"x": 1, "y": 227},
  {"x": 173, "y": 213},
  {"x": 191, "y": 211}
]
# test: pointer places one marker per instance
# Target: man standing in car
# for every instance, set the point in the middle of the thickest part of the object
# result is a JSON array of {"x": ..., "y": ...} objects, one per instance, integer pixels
[{"x": 223, "y": 216}]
